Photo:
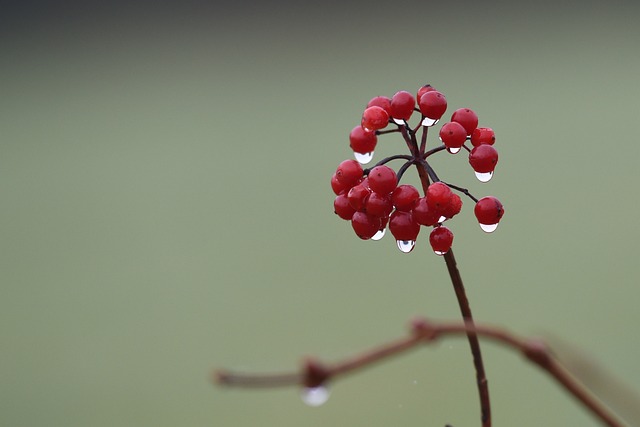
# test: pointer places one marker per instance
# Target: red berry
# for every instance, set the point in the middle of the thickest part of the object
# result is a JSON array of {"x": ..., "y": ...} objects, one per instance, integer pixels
[
  {"x": 483, "y": 158},
  {"x": 374, "y": 118},
  {"x": 378, "y": 205},
  {"x": 349, "y": 173},
  {"x": 453, "y": 135},
  {"x": 404, "y": 197},
  {"x": 441, "y": 239},
  {"x": 403, "y": 226},
  {"x": 358, "y": 196},
  {"x": 488, "y": 211},
  {"x": 483, "y": 136},
  {"x": 402, "y": 105},
  {"x": 362, "y": 141},
  {"x": 433, "y": 104},
  {"x": 423, "y": 89},
  {"x": 438, "y": 196},
  {"x": 424, "y": 214},
  {"x": 383, "y": 102},
  {"x": 454, "y": 207},
  {"x": 342, "y": 208},
  {"x": 365, "y": 226},
  {"x": 384, "y": 220},
  {"x": 382, "y": 180},
  {"x": 336, "y": 186},
  {"x": 467, "y": 118}
]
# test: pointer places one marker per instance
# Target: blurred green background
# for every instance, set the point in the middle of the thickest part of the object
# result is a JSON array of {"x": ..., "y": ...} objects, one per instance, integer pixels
[{"x": 166, "y": 208}]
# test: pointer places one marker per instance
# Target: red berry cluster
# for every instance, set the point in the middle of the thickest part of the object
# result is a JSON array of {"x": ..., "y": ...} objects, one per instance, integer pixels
[{"x": 372, "y": 199}]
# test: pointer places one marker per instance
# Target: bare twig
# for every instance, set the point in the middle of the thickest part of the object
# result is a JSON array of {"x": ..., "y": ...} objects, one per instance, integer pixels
[{"x": 424, "y": 331}]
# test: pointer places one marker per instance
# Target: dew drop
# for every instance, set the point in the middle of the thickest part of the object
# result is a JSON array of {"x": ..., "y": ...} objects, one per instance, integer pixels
[
  {"x": 363, "y": 158},
  {"x": 484, "y": 176},
  {"x": 439, "y": 253},
  {"x": 406, "y": 246},
  {"x": 429, "y": 122},
  {"x": 453, "y": 150},
  {"x": 315, "y": 396},
  {"x": 379, "y": 235},
  {"x": 489, "y": 228}
]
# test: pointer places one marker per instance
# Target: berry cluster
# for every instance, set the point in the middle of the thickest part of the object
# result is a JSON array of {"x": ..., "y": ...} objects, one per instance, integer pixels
[{"x": 373, "y": 200}]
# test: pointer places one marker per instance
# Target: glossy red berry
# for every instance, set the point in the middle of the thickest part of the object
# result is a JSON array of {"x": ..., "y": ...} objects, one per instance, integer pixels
[
  {"x": 336, "y": 186},
  {"x": 382, "y": 180},
  {"x": 378, "y": 205},
  {"x": 489, "y": 212},
  {"x": 453, "y": 135},
  {"x": 404, "y": 197},
  {"x": 383, "y": 102},
  {"x": 433, "y": 104},
  {"x": 342, "y": 208},
  {"x": 402, "y": 105},
  {"x": 483, "y": 136},
  {"x": 365, "y": 226},
  {"x": 441, "y": 239},
  {"x": 423, "y": 89},
  {"x": 349, "y": 173},
  {"x": 357, "y": 196},
  {"x": 438, "y": 196},
  {"x": 424, "y": 214},
  {"x": 374, "y": 118},
  {"x": 483, "y": 158},
  {"x": 454, "y": 207},
  {"x": 467, "y": 118},
  {"x": 403, "y": 226},
  {"x": 362, "y": 141}
]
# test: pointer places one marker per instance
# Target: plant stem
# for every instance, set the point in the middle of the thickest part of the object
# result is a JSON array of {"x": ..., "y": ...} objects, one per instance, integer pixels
[
  {"x": 465, "y": 309},
  {"x": 472, "y": 336}
]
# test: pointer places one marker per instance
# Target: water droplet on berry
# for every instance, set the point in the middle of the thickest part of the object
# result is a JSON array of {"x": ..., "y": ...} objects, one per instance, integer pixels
[
  {"x": 315, "y": 396},
  {"x": 379, "y": 235},
  {"x": 406, "y": 246},
  {"x": 429, "y": 122},
  {"x": 439, "y": 253},
  {"x": 489, "y": 228},
  {"x": 363, "y": 158},
  {"x": 454, "y": 150},
  {"x": 484, "y": 176}
]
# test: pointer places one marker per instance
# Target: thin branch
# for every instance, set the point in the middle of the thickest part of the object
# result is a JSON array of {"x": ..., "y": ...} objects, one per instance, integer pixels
[
  {"x": 425, "y": 171},
  {"x": 432, "y": 174},
  {"x": 434, "y": 150},
  {"x": 388, "y": 159},
  {"x": 474, "y": 344},
  {"x": 403, "y": 169},
  {"x": 382, "y": 132},
  {"x": 410, "y": 139},
  {"x": 423, "y": 139},
  {"x": 462, "y": 190},
  {"x": 427, "y": 332}
]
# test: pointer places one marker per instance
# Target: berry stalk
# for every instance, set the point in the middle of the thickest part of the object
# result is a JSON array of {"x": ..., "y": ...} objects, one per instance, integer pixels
[
  {"x": 465, "y": 310},
  {"x": 474, "y": 344}
]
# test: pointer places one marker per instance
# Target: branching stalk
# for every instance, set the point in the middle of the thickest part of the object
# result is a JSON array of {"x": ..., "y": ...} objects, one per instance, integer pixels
[{"x": 427, "y": 332}]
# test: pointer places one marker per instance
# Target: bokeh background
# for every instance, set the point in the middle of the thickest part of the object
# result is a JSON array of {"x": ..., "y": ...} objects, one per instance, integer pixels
[{"x": 166, "y": 209}]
